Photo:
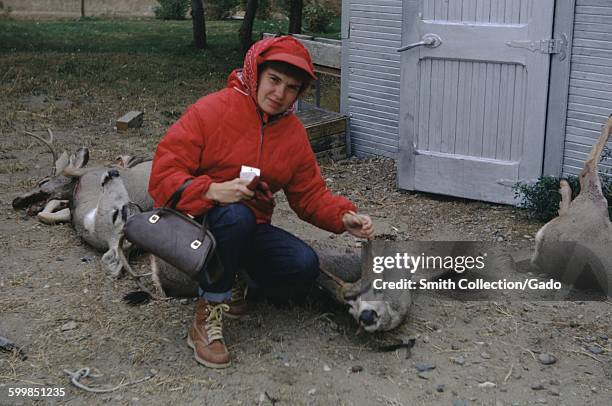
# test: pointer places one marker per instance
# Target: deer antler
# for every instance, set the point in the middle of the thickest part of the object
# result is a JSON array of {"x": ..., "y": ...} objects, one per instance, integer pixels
[
  {"x": 342, "y": 284},
  {"x": 48, "y": 143}
]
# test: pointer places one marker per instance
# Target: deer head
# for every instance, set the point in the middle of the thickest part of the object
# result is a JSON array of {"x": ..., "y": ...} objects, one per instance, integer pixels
[{"x": 59, "y": 185}]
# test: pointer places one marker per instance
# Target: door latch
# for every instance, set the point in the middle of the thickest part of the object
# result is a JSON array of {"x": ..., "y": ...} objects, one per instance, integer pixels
[{"x": 545, "y": 46}]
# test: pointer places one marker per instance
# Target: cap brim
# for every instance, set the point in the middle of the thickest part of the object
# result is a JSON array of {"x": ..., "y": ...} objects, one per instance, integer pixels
[{"x": 292, "y": 60}]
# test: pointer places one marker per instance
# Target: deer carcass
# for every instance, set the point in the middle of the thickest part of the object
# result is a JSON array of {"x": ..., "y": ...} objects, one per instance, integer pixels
[
  {"x": 344, "y": 275},
  {"x": 576, "y": 246},
  {"x": 98, "y": 199}
]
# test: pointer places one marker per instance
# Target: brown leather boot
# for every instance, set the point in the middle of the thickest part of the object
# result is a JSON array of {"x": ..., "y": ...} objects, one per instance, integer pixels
[
  {"x": 237, "y": 304},
  {"x": 206, "y": 334}
]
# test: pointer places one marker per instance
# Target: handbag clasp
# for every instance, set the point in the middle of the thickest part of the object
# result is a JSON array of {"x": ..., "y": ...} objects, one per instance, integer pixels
[
  {"x": 196, "y": 244},
  {"x": 153, "y": 219}
]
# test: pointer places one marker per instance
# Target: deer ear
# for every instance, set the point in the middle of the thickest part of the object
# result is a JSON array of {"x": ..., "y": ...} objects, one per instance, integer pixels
[
  {"x": 82, "y": 157},
  {"x": 61, "y": 163}
]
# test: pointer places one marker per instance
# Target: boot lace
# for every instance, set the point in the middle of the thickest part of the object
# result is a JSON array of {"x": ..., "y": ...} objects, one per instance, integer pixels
[
  {"x": 239, "y": 289},
  {"x": 214, "y": 321}
]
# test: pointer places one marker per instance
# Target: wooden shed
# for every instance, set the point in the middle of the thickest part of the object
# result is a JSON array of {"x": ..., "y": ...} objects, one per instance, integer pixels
[{"x": 472, "y": 96}]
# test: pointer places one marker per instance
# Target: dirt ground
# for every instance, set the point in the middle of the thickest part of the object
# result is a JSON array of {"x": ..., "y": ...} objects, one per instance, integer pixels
[{"x": 59, "y": 305}]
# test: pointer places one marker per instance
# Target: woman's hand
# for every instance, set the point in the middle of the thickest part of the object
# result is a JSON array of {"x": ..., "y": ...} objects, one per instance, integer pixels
[
  {"x": 359, "y": 225},
  {"x": 229, "y": 192}
]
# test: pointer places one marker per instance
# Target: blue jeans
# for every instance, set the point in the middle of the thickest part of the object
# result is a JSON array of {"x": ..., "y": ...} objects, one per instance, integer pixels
[{"x": 275, "y": 260}]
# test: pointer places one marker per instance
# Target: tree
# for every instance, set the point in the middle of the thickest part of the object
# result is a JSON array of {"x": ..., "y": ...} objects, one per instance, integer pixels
[
  {"x": 295, "y": 16},
  {"x": 199, "y": 24},
  {"x": 246, "y": 29}
]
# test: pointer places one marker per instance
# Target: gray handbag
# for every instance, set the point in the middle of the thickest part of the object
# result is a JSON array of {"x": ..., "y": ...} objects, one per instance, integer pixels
[{"x": 176, "y": 238}]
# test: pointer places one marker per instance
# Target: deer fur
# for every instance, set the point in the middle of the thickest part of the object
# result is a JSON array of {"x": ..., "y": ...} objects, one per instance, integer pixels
[
  {"x": 99, "y": 199},
  {"x": 344, "y": 276},
  {"x": 580, "y": 238}
]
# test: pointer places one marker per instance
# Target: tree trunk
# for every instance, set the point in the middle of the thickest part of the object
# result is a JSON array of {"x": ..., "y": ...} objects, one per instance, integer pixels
[
  {"x": 82, "y": 8},
  {"x": 246, "y": 29},
  {"x": 295, "y": 16},
  {"x": 199, "y": 24}
]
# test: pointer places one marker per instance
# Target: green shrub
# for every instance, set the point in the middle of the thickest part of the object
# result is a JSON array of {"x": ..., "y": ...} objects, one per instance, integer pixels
[
  {"x": 317, "y": 17},
  {"x": 541, "y": 199},
  {"x": 171, "y": 9}
]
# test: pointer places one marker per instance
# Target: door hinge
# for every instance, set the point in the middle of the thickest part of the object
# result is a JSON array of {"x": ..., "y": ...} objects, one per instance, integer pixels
[{"x": 545, "y": 46}]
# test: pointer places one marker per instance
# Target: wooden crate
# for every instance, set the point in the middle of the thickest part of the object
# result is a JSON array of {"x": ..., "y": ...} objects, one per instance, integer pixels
[{"x": 326, "y": 132}]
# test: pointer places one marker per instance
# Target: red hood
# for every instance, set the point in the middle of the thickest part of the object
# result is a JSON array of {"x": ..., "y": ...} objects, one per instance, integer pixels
[{"x": 245, "y": 79}]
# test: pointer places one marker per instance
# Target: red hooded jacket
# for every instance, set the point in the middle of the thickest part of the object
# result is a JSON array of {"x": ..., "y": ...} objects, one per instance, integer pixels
[{"x": 223, "y": 131}]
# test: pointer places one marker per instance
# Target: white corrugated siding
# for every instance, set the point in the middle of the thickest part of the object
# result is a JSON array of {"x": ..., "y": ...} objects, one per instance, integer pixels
[
  {"x": 373, "y": 91},
  {"x": 589, "y": 102},
  {"x": 374, "y": 76}
]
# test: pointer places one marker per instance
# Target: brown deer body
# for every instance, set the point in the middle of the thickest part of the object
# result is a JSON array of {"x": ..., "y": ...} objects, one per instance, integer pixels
[
  {"x": 98, "y": 198},
  {"x": 580, "y": 238}
]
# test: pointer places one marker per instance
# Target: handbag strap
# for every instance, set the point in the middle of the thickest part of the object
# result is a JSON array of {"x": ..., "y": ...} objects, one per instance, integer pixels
[{"x": 176, "y": 196}]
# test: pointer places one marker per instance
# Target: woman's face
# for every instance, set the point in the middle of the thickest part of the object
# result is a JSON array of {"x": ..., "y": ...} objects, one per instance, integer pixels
[{"x": 276, "y": 92}]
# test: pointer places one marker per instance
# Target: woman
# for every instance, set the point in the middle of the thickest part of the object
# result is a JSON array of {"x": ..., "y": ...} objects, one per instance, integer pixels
[{"x": 237, "y": 147}]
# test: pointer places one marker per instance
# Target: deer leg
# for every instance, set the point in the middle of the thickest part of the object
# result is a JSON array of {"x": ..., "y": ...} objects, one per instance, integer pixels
[
  {"x": 601, "y": 143},
  {"x": 589, "y": 173},
  {"x": 51, "y": 215},
  {"x": 170, "y": 281},
  {"x": 566, "y": 197}
]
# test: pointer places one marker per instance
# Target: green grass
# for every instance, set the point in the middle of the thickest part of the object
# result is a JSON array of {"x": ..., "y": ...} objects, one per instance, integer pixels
[
  {"x": 117, "y": 62},
  {"x": 104, "y": 52},
  {"x": 130, "y": 36}
]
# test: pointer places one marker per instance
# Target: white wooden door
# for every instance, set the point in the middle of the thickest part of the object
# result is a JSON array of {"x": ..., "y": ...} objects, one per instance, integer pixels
[{"x": 473, "y": 109}]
